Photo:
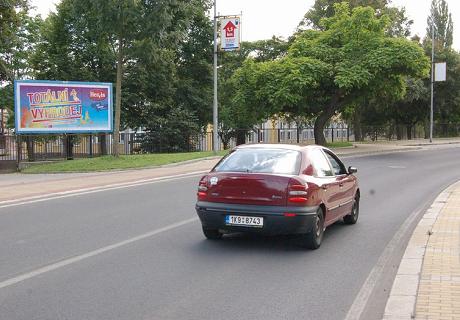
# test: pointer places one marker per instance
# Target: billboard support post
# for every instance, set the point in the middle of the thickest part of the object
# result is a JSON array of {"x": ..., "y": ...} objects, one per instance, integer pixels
[{"x": 18, "y": 151}]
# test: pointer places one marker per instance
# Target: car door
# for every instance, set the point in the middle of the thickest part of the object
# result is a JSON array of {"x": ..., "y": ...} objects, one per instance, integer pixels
[
  {"x": 345, "y": 184},
  {"x": 327, "y": 182}
]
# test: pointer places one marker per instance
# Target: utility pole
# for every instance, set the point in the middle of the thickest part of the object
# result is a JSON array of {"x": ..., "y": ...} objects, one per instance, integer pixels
[
  {"x": 215, "y": 122},
  {"x": 432, "y": 82}
]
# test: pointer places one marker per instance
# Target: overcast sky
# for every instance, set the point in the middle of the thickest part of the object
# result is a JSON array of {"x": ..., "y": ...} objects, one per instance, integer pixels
[{"x": 263, "y": 18}]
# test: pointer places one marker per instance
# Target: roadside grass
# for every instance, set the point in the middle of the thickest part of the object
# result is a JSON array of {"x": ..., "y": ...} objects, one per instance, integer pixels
[
  {"x": 339, "y": 144},
  {"x": 105, "y": 163}
]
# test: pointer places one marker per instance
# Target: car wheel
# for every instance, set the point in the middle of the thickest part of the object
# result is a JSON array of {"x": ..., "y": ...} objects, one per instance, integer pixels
[
  {"x": 212, "y": 234},
  {"x": 352, "y": 218},
  {"x": 314, "y": 238}
]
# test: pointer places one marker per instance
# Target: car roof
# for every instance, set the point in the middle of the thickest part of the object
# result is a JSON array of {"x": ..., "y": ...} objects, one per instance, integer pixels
[{"x": 279, "y": 146}]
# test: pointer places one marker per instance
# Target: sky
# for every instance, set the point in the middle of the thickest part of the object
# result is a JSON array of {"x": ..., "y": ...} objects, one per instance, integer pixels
[{"x": 261, "y": 19}]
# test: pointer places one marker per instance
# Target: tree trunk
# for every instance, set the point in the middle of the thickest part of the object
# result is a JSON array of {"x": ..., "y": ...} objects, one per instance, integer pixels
[
  {"x": 240, "y": 137},
  {"x": 357, "y": 129},
  {"x": 357, "y": 125},
  {"x": 30, "y": 148},
  {"x": 322, "y": 119},
  {"x": 225, "y": 137},
  {"x": 409, "y": 132},
  {"x": 399, "y": 133},
  {"x": 68, "y": 147}
]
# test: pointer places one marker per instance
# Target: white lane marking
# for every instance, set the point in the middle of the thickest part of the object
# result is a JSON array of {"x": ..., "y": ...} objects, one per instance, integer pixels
[
  {"x": 397, "y": 167},
  {"x": 77, "y": 192},
  {"x": 361, "y": 300},
  {"x": 90, "y": 254}
]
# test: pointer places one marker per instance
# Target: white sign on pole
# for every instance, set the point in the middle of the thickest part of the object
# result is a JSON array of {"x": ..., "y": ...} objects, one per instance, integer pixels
[
  {"x": 440, "y": 71},
  {"x": 230, "y": 33}
]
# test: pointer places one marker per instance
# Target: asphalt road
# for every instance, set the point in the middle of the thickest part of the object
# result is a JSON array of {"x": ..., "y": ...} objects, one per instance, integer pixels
[{"x": 138, "y": 253}]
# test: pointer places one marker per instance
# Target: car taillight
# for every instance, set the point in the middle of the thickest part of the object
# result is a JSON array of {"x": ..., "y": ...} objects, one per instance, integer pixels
[
  {"x": 297, "y": 192},
  {"x": 202, "y": 189}
]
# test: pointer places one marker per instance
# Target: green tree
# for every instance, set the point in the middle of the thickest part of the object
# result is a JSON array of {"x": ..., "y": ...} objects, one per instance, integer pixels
[
  {"x": 157, "y": 50},
  {"x": 326, "y": 71},
  {"x": 447, "y": 93},
  {"x": 10, "y": 22},
  {"x": 19, "y": 34},
  {"x": 399, "y": 26},
  {"x": 441, "y": 20},
  {"x": 393, "y": 115},
  {"x": 194, "y": 66},
  {"x": 326, "y": 8},
  {"x": 412, "y": 109},
  {"x": 73, "y": 45},
  {"x": 447, "y": 97},
  {"x": 235, "y": 119}
]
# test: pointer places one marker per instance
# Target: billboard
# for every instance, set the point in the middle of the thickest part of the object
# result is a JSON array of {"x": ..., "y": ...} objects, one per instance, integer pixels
[
  {"x": 62, "y": 107},
  {"x": 230, "y": 33}
]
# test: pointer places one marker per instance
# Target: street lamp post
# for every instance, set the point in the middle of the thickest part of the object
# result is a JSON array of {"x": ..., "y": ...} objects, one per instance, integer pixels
[
  {"x": 432, "y": 83},
  {"x": 215, "y": 135}
]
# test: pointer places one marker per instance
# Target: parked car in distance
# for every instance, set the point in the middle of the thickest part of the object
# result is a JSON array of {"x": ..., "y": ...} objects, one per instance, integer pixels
[{"x": 278, "y": 189}]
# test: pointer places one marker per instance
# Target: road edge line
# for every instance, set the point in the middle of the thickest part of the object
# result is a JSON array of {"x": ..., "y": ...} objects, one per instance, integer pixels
[
  {"x": 361, "y": 300},
  {"x": 102, "y": 188}
]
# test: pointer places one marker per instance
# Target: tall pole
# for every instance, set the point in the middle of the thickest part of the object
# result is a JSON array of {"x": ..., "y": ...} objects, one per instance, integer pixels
[
  {"x": 432, "y": 82},
  {"x": 215, "y": 123}
]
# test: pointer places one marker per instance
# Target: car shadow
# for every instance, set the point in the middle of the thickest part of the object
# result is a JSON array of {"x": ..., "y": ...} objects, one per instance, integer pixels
[{"x": 239, "y": 242}]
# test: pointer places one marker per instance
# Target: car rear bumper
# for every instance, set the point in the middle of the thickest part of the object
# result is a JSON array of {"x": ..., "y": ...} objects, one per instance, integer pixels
[{"x": 212, "y": 216}]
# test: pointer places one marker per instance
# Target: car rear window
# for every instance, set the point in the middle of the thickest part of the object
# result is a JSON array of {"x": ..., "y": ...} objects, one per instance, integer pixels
[{"x": 278, "y": 161}]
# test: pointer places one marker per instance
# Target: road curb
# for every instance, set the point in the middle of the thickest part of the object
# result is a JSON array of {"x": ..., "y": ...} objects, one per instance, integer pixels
[{"x": 403, "y": 296}]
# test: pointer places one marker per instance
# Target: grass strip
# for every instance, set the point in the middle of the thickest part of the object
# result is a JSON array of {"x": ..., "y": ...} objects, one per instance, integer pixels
[
  {"x": 105, "y": 163},
  {"x": 339, "y": 144}
]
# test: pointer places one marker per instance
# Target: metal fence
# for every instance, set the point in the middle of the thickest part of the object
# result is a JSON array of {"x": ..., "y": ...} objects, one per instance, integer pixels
[{"x": 53, "y": 147}]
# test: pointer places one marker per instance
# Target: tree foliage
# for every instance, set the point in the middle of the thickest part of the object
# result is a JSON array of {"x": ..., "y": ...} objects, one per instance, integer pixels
[
  {"x": 399, "y": 23},
  {"x": 446, "y": 94},
  {"x": 10, "y": 22},
  {"x": 19, "y": 34},
  {"x": 159, "y": 50},
  {"x": 441, "y": 20},
  {"x": 327, "y": 70}
]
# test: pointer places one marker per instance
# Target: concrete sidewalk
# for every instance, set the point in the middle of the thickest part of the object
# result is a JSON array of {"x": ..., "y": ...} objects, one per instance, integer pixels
[{"x": 427, "y": 285}]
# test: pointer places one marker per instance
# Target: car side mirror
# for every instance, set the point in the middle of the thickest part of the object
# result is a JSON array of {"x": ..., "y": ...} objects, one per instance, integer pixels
[{"x": 352, "y": 170}]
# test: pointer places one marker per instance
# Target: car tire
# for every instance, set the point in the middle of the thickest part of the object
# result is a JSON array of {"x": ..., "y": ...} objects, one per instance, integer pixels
[
  {"x": 352, "y": 218},
  {"x": 212, "y": 234},
  {"x": 313, "y": 239}
]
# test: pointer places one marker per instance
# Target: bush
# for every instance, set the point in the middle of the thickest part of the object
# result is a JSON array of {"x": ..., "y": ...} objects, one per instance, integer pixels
[{"x": 174, "y": 132}]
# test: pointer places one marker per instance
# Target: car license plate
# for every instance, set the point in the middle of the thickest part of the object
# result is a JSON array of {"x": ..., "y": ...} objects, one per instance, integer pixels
[{"x": 244, "y": 221}]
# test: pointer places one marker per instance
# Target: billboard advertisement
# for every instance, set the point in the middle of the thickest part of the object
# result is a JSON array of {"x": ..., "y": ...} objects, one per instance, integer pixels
[{"x": 62, "y": 107}]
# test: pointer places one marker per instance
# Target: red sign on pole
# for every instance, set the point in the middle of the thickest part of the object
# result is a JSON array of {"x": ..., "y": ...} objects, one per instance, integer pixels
[{"x": 230, "y": 32}]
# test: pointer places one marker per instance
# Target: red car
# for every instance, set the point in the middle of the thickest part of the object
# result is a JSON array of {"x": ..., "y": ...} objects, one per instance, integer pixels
[{"x": 278, "y": 189}]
